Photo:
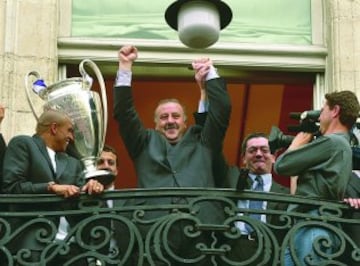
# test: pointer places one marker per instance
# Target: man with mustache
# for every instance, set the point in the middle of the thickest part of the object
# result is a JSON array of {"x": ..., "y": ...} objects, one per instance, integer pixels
[{"x": 173, "y": 155}]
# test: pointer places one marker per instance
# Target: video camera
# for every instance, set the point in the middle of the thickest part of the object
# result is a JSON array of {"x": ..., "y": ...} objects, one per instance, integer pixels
[{"x": 308, "y": 122}]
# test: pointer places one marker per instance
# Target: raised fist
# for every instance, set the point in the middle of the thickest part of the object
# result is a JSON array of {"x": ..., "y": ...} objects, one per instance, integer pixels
[{"x": 128, "y": 54}]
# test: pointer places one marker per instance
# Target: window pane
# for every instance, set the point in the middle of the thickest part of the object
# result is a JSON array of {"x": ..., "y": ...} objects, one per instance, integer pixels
[{"x": 254, "y": 21}]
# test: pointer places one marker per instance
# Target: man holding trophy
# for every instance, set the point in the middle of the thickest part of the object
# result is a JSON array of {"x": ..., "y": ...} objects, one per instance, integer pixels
[
  {"x": 26, "y": 157},
  {"x": 39, "y": 164}
]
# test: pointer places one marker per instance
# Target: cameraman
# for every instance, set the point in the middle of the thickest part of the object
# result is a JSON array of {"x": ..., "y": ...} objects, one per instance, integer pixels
[{"x": 323, "y": 166}]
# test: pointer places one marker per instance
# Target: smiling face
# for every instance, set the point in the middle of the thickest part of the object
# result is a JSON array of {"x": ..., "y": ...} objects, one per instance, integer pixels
[
  {"x": 63, "y": 133},
  {"x": 257, "y": 156},
  {"x": 107, "y": 161},
  {"x": 170, "y": 121}
]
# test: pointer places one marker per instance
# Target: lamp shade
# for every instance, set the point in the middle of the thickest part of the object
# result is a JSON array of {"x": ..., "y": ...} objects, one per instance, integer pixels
[{"x": 198, "y": 21}]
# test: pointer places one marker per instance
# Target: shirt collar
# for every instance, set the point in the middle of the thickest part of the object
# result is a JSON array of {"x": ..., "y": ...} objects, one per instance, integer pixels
[{"x": 267, "y": 178}]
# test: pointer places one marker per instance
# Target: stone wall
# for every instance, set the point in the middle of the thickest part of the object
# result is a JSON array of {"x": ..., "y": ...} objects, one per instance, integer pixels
[
  {"x": 343, "y": 42},
  {"x": 28, "y": 42}
]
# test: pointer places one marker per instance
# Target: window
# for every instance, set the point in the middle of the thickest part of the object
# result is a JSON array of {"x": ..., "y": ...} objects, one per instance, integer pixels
[{"x": 254, "y": 21}]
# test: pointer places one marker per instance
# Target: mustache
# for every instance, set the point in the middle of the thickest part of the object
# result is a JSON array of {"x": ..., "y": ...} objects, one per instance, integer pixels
[{"x": 171, "y": 126}]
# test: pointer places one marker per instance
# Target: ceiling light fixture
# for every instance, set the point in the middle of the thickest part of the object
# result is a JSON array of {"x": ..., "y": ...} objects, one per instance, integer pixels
[{"x": 198, "y": 21}]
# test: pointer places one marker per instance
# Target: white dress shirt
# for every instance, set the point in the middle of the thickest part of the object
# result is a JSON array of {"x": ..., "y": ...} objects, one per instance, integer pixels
[
  {"x": 244, "y": 204},
  {"x": 52, "y": 154}
]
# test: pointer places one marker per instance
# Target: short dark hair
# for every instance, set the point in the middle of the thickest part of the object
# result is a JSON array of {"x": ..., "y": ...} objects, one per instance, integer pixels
[
  {"x": 252, "y": 136},
  {"x": 349, "y": 106},
  {"x": 48, "y": 117},
  {"x": 108, "y": 148}
]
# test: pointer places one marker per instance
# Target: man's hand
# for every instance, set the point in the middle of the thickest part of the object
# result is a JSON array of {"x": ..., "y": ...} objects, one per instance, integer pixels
[
  {"x": 2, "y": 113},
  {"x": 201, "y": 67},
  {"x": 66, "y": 191},
  {"x": 300, "y": 139},
  {"x": 127, "y": 55},
  {"x": 353, "y": 202},
  {"x": 93, "y": 187}
]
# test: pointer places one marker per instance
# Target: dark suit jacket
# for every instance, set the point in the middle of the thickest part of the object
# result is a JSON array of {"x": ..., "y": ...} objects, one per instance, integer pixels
[
  {"x": 186, "y": 164},
  {"x": 28, "y": 169},
  {"x": 122, "y": 234},
  {"x": 240, "y": 180},
  {"x": 2, "y": 153},
  {"x": 220, "y": 165}
]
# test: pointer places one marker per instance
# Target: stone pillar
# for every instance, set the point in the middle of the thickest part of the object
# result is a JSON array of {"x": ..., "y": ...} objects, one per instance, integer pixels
[
  {"x": 343, "y": 41},
  {"x": 28, "y": 41}
]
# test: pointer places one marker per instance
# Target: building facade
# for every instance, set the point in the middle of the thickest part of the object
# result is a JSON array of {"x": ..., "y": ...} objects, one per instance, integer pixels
[{"x": 37, "y": 35}]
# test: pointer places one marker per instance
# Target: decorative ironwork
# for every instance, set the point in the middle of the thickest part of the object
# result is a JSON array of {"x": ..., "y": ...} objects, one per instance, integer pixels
[{"x": 134, "y": 233}]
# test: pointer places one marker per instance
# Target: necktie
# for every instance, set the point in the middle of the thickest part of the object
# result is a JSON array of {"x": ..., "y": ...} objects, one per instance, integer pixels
[
  {"x": 55, "y": 162},
  {"x": 256, "y": 204}
]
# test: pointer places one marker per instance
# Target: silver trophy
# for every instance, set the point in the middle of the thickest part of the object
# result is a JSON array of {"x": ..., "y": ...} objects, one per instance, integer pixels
[{"x": 74, "y": 97}]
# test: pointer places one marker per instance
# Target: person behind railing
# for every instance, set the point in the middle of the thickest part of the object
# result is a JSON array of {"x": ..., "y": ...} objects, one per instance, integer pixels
[
  {"x": 2, "y": 142},
  {"x": 120, "y": 239},
  {"x": 258, "y": 162},
  {"x": 323, "y": 166},
  {"x": 108, "y": 160},
  {"x": 39, "y": 164},
  {"x": 2, "y": 152},
  {"x": 173, "y": 155},
  {"x": 256, "y": 176}
]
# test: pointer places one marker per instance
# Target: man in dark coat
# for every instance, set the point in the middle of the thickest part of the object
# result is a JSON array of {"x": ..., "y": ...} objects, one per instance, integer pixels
[
  {"x": 258, "y": 162},
  {"x": 173, "y": 155},
  {"x": 39, "y": 164},
  {"x": 2, "y": 144}
]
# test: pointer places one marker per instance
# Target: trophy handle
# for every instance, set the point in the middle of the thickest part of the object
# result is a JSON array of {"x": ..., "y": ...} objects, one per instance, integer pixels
[
  {"x": 27, "y": 90},
  {"x": 100, "y": 79}
]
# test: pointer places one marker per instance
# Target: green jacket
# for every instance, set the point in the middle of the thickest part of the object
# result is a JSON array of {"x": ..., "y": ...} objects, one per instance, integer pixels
[{"x": 323, "y": 166}]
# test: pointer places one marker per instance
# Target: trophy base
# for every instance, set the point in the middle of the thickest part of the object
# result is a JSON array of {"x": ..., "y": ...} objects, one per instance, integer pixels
[{"x": 105, "y": 177}]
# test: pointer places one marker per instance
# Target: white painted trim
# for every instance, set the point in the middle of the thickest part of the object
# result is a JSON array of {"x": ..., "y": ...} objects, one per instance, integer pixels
[
  {"x": 173, "y": 54},
  {"x": 259, "y": 56},
  {"x": 319, "y": 91},
  {"x": 317, "y": 22}
]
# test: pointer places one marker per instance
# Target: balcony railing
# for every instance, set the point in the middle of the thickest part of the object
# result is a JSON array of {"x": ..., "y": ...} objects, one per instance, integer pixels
[{"x": 169, "y": 226}]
